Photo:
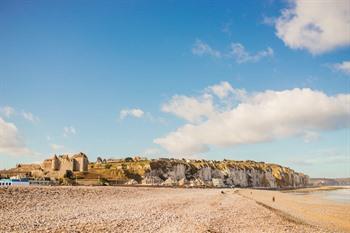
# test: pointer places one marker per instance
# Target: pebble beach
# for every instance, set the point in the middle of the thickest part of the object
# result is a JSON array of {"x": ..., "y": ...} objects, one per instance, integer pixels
[{"x": 138, "y": 209}]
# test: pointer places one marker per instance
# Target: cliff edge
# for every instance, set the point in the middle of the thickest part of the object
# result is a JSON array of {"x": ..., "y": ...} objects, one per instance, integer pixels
[{"x": 198, "y": 173}]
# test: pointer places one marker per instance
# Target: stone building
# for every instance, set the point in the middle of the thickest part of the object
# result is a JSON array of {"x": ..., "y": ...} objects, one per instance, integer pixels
[{"x": 59, "y": 165}]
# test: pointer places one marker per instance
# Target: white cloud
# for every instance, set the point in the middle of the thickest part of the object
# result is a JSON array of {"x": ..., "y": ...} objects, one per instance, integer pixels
[
  {"x": 342, "y": 67},
  {"x": 69, "y": 130},
  {"x": 259, "y": 117},
  {"x": 201, "y": 48},
  {"x": 10, "y": 141},
  {"x": 195, "y": 109},
  {"x": 190, "y": 108},
  {"x": 135, "y": 112},
  {"x": 317, "y": 26},
  {"x": 226, "y": 93},
  {"x": 7, "y": 111},
  {"x": 222, "y": 89},
  {"x": 56, "y": 147},
  {"x": 30, "y": 117},
  {"x": 239, "y": 53}
]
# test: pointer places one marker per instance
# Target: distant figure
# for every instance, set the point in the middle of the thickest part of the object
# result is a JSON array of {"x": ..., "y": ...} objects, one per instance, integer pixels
[
  {"x": 251, "y": 193},
  {"x": 222, "y": 192},
  {"x": 273, "y": 198}
]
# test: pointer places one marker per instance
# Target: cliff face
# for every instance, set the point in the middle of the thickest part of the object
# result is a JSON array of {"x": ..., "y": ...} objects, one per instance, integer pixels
[
  {"x": 227, "y": 173},
  {"x": 177, "y": 172}
]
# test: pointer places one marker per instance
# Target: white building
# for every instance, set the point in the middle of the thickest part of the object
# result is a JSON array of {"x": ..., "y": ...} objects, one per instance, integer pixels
[{"x": 14, "y": 182}]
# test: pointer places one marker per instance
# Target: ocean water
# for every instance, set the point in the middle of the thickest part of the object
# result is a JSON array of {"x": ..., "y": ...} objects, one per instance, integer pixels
[{"x": 339, "y": 195}]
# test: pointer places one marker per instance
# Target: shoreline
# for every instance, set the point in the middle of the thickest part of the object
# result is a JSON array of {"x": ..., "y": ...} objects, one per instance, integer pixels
[
  {"x": 308, "y": 209},
  {"x": 315, "y": 189}
]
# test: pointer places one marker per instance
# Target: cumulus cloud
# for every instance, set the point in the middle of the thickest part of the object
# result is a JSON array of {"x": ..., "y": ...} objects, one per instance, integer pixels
[
  {"x": 30, "y": 117},
  {"x": 7, "y": 111},
  {"x": 201, "y": 48},
  {"x": 135, "y": 112},
  {"x": 239, "y": 53},
  {"x": 69, "y": 130},
  {"x": 222, "y": 89},
  {"x": 225, "y": 92},
  {"x": 343, "y": 67},
  {"x": 195, "y": 109},
  {"x": 10, "y": 141},
  {"x": 190, "y": 108},
  {"x": 259, "y": 117},
  {"x": 317, "y": 26}
]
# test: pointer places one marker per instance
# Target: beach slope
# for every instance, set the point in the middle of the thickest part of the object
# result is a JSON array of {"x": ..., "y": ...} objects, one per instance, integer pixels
[
  {"x": 136, "y": 209},
  {"x": 305, "y": 205}
]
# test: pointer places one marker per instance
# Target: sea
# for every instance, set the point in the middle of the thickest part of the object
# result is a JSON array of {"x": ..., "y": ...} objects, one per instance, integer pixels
[{"x": 338, "y": 195}]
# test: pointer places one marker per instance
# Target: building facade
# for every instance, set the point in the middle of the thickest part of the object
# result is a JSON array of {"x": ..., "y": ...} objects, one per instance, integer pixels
[{"x": 63, "y": 163}]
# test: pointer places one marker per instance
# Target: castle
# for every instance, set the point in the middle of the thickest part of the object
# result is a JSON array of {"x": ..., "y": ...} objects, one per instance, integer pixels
[{"x": 61, "y": 164}]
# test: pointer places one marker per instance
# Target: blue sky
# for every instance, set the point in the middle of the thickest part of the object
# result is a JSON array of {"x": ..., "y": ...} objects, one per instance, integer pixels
[{"x": 109, "y": 78}]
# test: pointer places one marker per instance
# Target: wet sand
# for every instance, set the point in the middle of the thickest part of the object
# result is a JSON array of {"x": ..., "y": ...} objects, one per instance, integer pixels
[{"x": 306, "y": 205}]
